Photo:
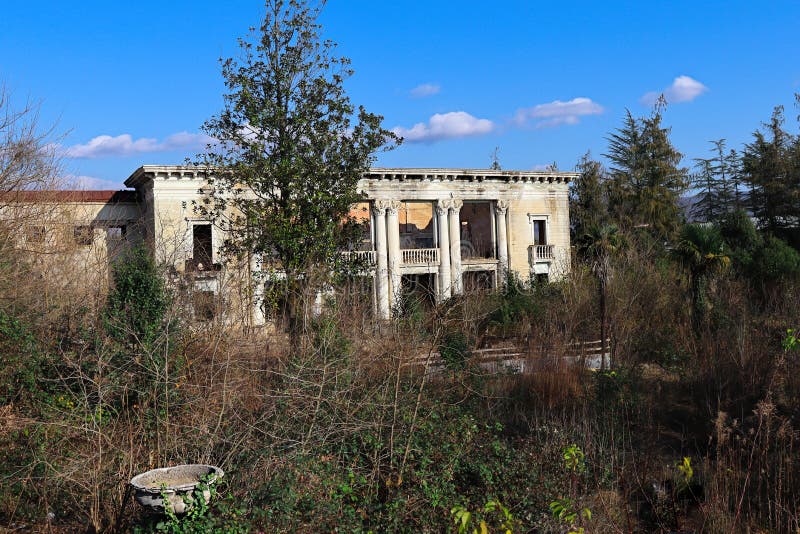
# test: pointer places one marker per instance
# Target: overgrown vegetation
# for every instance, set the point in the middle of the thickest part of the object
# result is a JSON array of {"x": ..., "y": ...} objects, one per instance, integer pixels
[
  {"x": 352, "y": 426},
  {"x": 352, "y": 434}
]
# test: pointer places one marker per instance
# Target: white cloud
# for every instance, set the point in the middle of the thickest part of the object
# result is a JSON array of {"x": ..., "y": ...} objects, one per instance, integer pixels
[
  {"x": 425, "y": 89},
  {"x": 89, "y": 183},
  {"x": 445, "y": 126},
  {"x": 557, "y": 112},
  {"x": 683, "y": 89},
  {"x": 106, "y": 146}
]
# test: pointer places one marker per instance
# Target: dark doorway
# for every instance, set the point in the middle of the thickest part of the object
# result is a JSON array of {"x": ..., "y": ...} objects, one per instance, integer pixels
[{"x": 539, "y": 232}]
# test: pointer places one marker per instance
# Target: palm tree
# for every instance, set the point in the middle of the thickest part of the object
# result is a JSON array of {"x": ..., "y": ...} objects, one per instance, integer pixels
[
  {"x": 598, "y": 245},
  {"x": 702, "y": 251}
]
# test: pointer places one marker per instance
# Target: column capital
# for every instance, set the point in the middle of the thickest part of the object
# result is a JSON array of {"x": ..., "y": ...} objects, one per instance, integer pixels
[
  {"x": 502, "y": 206},
  {"x": 442, "y": 206},
  {"x": 393, "y": 206},
  {"x": 456, "y": 204},
  {"x": 379, "y": 207}
]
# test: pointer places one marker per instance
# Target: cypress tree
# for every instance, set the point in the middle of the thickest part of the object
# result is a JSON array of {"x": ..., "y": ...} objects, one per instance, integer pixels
[
  {"x": 646, "y": 180},
  {"x": 587, "y": 197},
  {"x": 717, "y": 180},
  {"x": 771, "y": 169}
]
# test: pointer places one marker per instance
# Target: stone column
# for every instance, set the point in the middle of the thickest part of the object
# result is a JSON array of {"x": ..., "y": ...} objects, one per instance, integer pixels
[
  {"x": 442, "y": 208},
  {"x": 395, "y": 258},
  {"x": 381, "y": 267},
  {"x": 500, "y": 210},
  {"x": 455, "y": 246}
]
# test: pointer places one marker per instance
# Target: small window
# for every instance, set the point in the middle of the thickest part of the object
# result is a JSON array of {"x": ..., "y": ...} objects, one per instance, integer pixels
[
  {"x": 204, "y": 304},
  {"x": 116, "y": 233},
  {"x": 35, "y": 234},
  {"x": 84, "y": 235}
]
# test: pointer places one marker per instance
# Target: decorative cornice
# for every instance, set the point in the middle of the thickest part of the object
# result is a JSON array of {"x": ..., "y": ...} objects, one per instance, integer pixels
[
  {"x": 468, "y": 175},
  {"x": 152, "y": 172}
]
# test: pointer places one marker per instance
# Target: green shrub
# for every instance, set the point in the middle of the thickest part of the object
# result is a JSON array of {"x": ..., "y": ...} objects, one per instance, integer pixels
[
  {"x": 775, "y": 260},
  {"x": 514, "y": 303},
  {"x": 455, "y": 350},
  {"x": 137, "y": 304},
  {"x": 20, "y": 369},
  {"x": 740, "y": 233}
]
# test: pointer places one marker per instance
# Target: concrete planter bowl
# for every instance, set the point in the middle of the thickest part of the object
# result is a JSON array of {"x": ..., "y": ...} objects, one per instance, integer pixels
[{"x": 173, "y": 488}]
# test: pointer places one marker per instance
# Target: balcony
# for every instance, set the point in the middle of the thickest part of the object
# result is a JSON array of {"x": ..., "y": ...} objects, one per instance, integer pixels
[
  {"x": 200, "y": 267},
  {"x": 420, "y": 256},
  {"x": 541, "y": 253},
  {"x": 361, "y": 256}
]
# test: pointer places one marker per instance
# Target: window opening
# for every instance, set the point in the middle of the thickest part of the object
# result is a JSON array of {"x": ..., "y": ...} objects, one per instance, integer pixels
[
  {"x": 35, "y": 234},
  {"x": 204, "y": 304},
  {"x": 202, "y": 246},
  {"x": 416, "y": 225},
  {"x": 477, "y": 224},
  {"x": 83, "y": 235}
]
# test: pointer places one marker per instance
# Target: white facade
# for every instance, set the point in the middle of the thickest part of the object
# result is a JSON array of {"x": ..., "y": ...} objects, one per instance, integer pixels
[{"x": 449, "y": 230}]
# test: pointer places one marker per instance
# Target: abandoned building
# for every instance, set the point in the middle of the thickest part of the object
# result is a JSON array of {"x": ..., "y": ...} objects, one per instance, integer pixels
[{"x": 444, "y": 231}]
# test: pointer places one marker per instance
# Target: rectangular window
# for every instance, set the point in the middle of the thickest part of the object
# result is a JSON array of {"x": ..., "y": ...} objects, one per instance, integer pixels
[
  {"x": 116, "y": 233},
  {"x": 202, "y": 246},
  {"x": 205, "y": 305},
  {"x": 35, "y": 234},
  {"x": 83, "y": 235}
]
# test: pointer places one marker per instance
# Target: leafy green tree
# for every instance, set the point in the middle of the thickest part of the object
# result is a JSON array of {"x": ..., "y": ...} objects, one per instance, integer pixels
[
  {"x": 645, "y": 177},
  {"x": 771, "y": 169},
  {"x": 701, "y": 250},
  {"x": 587, "y": 199},
  {"x": 291, "y": 149},
  {"x": 599, "y": 245}
]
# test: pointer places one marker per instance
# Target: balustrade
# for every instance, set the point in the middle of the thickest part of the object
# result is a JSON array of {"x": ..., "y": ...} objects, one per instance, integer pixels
[
  {"x": 541, "y": 253},
  {"x": 366, "y": 256},
  {"x": 420, "y": 256}
]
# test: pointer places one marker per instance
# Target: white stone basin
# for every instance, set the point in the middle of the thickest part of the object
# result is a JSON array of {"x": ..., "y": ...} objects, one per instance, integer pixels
[{"x": 172, "y": 488}]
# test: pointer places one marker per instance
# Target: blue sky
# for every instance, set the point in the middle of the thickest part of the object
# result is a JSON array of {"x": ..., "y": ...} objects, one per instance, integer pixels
[{"x": 129, "y": 83}]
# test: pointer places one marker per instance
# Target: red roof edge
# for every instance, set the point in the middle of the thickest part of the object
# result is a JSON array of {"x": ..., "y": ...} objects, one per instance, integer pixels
[{"x": 108, "y": 196}]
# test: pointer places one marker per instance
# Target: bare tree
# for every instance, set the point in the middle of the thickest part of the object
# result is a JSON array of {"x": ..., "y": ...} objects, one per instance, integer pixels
[{"x": 28, "y": 156}]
